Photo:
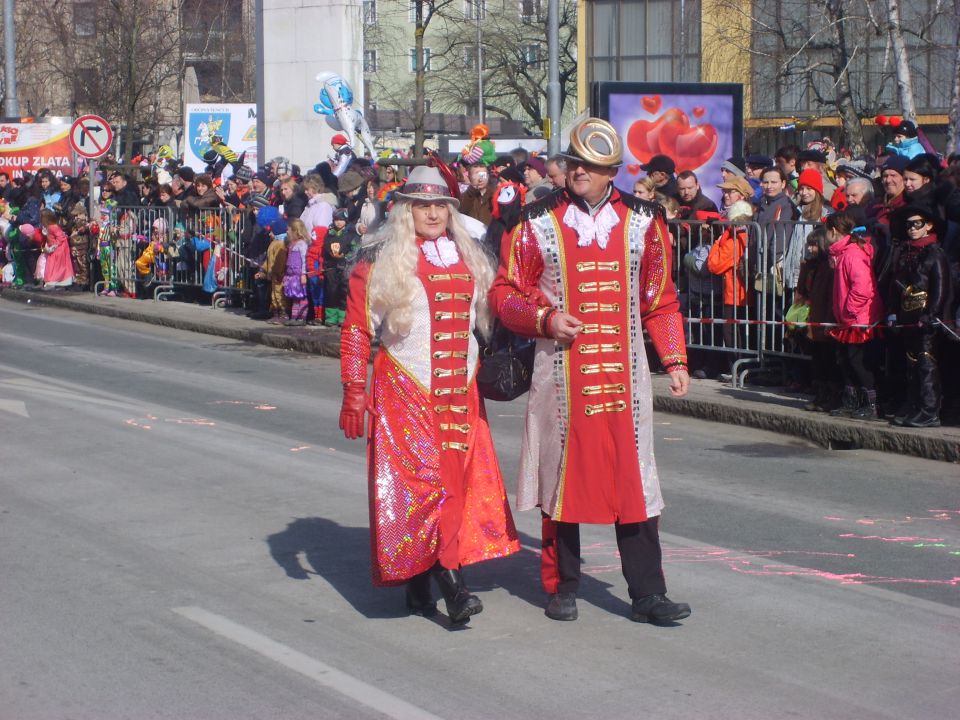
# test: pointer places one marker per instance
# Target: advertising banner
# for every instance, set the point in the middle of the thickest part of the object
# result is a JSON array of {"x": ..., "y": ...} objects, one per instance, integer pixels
[
  {"x": 28, "y": 147},
  {"x": 697, "y": 125},
  {"x": 235, "y": 123}
]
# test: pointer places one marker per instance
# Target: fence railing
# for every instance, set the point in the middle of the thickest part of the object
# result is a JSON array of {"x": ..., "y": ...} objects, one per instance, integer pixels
[
  {"x": 168, "y": 252},
  {"x": 736, "y": 282}
]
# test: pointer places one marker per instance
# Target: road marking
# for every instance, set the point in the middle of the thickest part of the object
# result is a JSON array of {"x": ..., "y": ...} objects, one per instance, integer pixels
[
  {"x": 804, "y": 573},
  {"x": 347, "y": 685},
  {"x": 17, "y": 407}
]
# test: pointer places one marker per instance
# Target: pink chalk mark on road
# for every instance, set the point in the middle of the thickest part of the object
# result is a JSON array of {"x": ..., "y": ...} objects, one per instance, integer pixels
[
  {"x": 758, "y": 563},
  {"x": 203, "y": 422},
  {"x": 904, "y": 539},
  {"x": 300, "y": 449},
  {"x": 254, "y": 405},
  {"x": 936, "y": 515},
  {"x": 132, "y": 422}
]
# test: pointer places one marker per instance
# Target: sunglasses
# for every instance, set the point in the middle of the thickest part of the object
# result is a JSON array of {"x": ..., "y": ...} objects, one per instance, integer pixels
[{"x": 916, "y": 224}]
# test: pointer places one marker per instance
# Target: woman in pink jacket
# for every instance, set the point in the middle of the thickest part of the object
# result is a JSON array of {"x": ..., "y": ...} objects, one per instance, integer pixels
[{"x": 858, "y": 310}]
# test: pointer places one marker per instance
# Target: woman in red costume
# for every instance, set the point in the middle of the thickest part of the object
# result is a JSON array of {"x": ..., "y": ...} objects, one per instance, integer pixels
[{"x": 437, "y": 500}]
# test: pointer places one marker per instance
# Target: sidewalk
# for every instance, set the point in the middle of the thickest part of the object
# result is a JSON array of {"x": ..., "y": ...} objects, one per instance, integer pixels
[{"x": 763, "y": 408}]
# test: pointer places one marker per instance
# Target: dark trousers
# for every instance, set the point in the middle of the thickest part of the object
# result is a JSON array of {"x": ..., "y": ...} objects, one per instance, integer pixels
[
  {"x": 640, "y": 556},
  {"x": 855, "y": 360},
  {"x": 923, "y": 373}
]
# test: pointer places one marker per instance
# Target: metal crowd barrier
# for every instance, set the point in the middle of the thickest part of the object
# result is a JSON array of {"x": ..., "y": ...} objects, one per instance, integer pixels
[
  {"x": 752, "y": 335},
  {"x": 171, "y": 252}
]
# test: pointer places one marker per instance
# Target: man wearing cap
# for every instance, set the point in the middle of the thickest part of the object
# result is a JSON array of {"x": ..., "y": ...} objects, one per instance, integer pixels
[
  {"x": 892, "y": 181},
  {"x": 437, "y": 500},
  {"x": 731, "y": 168},
  {"x": 756, "y": 164},
  {"x": 535, "y": 178},
  {"x": 585, "y": 272},
  {"x": 660, "y": 169},
  {"x": 817, "y": 160}
]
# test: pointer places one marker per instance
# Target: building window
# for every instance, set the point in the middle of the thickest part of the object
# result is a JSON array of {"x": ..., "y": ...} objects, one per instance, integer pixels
[
  {"x": 84, "y": 19},
  {"x": 531, "y": 55},
  {"x": 470, "y": 57},
  {"x": 427, "y": 10},
  {"x": 471, "y": 108},
  {"x": 85, "y": 86},
  {"x": 370, "y": 61},
  {"x": 530, "y": 10},
  {"x": 426, "y": 59},
  {"x": 474, "y": 9},
  {"x": 427, "y": 107},
  {"x": 369, "y": 12},
  {"x": 652, "y": 40}
]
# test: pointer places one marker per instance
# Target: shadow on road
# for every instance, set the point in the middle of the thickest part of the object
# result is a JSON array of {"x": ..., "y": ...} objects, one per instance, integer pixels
[{"x": 341, "y": 556}]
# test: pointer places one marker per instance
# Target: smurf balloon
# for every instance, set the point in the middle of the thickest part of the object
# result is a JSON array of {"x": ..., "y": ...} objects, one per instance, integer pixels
[{"x": 336, "y": 99}]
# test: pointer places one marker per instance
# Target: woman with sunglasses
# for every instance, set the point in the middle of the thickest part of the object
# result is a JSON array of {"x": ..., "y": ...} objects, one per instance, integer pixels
[{"x": 920, "y": 293}]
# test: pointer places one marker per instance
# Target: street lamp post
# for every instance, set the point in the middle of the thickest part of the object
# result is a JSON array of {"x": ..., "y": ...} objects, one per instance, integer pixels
[
  {"x": 479, "y": 6},
  {"x": 11, "y": 107}
]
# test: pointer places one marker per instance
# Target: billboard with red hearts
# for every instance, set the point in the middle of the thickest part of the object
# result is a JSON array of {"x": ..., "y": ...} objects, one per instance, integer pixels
[{"x": 697, "y": 125}]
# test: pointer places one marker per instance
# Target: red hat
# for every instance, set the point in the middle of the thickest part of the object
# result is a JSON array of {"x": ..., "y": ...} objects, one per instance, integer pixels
[
  {"x": 338, "y": 139},
  {"x": 811, "y": 178}
]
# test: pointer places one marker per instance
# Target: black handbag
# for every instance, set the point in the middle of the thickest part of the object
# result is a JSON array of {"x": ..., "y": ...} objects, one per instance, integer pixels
[{"x": 506, "y": 368}]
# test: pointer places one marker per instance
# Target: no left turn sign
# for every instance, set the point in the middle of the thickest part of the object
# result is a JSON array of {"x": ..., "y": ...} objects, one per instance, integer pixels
[{"x": 91, "y": 136}]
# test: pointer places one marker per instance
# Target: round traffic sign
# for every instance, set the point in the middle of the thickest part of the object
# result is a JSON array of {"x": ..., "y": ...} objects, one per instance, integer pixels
[{"x": 91, "y": 136}]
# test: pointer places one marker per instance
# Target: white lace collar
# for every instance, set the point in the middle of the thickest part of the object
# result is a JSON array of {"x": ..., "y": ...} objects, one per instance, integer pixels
[
  {"x": 441, "y": 252},
  {"x": 589, "y": 228}
]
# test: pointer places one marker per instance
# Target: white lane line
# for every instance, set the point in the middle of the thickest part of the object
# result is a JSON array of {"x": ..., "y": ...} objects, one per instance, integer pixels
[{"x": 347, "y": 685}]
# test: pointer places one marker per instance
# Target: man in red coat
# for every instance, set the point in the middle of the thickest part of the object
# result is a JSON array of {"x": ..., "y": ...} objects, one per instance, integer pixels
[{"x": 582, "y": 273}]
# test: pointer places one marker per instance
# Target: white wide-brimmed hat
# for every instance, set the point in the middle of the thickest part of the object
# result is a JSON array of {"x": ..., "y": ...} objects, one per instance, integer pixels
[{"x": 425, "y": 183}]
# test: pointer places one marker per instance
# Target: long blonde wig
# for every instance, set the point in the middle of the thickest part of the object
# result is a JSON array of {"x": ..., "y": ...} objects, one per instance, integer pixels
[{"x": 393, "y": 280}]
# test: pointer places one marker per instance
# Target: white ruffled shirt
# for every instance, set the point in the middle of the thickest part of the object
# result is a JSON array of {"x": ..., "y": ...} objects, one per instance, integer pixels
[
  {"x": 591, "y": 227},
  {"x": 441, "y": 252}
]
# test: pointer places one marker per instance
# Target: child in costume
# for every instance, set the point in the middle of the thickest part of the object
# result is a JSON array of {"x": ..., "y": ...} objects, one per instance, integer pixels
[
  {"x": 337, "y": 246},
  {"x": 295, "y": 276},
  {"x": 315, "y": 273},
  {"x": 80, "y": 234},
  {"x": 274, "y": 268},
  {"x": 58, "y": 268}
]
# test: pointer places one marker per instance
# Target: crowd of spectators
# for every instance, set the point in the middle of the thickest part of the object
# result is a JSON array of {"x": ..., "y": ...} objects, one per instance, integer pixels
[{"x": 859, "y": 256}]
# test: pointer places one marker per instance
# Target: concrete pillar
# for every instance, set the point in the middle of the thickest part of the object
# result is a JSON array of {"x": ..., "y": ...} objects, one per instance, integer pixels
[{"x": 301, "y": 38}]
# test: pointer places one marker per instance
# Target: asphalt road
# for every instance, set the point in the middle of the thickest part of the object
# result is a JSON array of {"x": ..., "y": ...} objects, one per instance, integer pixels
[{"x": 183, "y": 535}]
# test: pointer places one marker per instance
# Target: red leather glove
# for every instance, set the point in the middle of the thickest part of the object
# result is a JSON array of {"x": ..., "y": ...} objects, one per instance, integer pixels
[{"x": 355, "y": 404}]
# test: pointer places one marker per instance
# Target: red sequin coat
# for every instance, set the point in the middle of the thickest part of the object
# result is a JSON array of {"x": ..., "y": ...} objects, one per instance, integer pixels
[
  {"x": 587, "y": 453},
  {"x": 436, "y": 492}
]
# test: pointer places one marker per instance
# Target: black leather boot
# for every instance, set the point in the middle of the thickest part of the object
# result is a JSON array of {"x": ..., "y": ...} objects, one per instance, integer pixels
[
  {"x": 419, "y": 597},
  {"x": 461, "y": 605},
  {"x": 867, "y": 408},
  {"x": 849, "y": 401}
]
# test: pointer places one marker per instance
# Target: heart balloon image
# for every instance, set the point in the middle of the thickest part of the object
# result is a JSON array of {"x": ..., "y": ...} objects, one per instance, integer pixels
[
  {"x": 698, "y": 112},
  {"x": 651, "y": 103},
  {"x": 671, "y": 134},
  {"x": 633, "y": 169},
  {"x": 644, "y": 136},
  {"x": 695, "y": 147}
]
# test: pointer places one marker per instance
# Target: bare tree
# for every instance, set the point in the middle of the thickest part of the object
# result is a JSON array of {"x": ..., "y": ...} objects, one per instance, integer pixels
[
  {"x": 513, "y": 60},
  {"x": 901, "y": 61},
  {"x": 953, "y": 126}
]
